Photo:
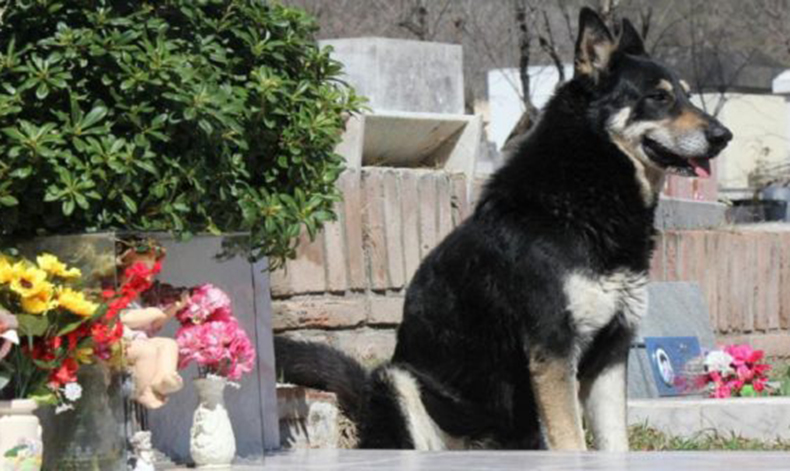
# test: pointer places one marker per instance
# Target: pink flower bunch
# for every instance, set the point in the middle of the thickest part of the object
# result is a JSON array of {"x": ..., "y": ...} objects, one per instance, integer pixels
[
  {"x": 735, "y": 370},
  {"x": 205, "y": 302},
  {"x": 211, "y": 337}
]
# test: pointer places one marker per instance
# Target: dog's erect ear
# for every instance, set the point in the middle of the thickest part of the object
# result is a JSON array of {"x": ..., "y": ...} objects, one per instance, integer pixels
[
  {"x": 630, "y": 41},
  {"x": 594, "y": 46}
]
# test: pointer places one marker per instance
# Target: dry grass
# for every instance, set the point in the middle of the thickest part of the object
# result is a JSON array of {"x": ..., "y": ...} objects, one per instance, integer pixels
[{"x": 644, "y": 438}]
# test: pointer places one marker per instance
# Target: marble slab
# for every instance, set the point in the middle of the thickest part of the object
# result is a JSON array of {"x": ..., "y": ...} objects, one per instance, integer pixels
[{"x": 391, "y": 460}]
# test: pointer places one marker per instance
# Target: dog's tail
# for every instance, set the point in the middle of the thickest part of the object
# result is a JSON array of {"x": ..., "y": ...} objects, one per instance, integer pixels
[{"x": 324, "y": 368}]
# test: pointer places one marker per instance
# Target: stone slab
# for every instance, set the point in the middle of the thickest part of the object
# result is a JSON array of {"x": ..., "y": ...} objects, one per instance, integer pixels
[
  {"x": 763, "y": 419},
  {"x": 403, "y": 75},
  {"x": 676, "y": 213},
  {"x": 674, "y": 309},
  {"x": 677, "y": 309},
  {"x": 252, "y": 407},
  {"x": 492, "y": 460}
]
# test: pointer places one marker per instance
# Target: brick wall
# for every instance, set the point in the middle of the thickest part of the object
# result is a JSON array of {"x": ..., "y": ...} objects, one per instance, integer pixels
[
  {"x": 346, "y": 288},
  {"x": 745, "y": 276}
]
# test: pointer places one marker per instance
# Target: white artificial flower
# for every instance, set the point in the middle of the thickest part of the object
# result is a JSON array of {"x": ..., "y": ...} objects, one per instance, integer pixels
[
  {"x": 720, "y": 361},
  {"x": 72, "y": 391},
  {"x": 63, "y": 408},
  {"x": 11, "y": 336}
]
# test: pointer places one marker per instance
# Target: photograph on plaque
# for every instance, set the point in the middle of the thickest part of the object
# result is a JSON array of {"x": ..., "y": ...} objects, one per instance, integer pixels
[{"x": 672, "y": 361}]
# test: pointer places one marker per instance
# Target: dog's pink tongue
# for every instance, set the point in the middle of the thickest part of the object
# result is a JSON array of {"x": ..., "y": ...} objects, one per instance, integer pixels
[{"x": 701, "y": 167}]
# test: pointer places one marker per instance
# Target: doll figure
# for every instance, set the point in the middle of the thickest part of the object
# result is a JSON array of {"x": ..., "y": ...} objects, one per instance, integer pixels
[
  {"x": 8, "y": 334},
  {"x": 153, "y": 361}
]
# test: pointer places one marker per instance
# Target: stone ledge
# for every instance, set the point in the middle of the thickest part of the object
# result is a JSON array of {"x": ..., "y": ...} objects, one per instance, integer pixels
[
  {"x": 677, "y": 213},
  {"x": 756, "y": 418},
  {"x": 322, "y": 312}
]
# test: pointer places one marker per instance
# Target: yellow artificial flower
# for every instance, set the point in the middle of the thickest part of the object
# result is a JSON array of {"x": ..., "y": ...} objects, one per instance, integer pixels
[
  {"x": 6, "y": 271},
  {"x": 84, "y": 356},
  {"x": 74, "y": 301},
  {"x": 40, "y": 302},
  {"x": 50, "y": 264},
  {"x": 27, "y": 281}
]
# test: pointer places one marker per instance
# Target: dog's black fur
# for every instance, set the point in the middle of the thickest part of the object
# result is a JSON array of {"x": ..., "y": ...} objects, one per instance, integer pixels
[{"x": 491, "y": 296}]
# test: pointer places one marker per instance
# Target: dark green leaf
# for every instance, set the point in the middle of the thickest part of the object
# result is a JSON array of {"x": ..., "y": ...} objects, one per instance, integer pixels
[
  {"x": 32, "y": 325},
  {"x": 8, "y": 200}
]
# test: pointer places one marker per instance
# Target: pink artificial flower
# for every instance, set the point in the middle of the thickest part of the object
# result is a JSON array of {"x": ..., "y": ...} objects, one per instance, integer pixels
[
  {"x": 745, "y": 370},
  {"x": 218, "y": 344},
  {"x": 205, "y": 302}
]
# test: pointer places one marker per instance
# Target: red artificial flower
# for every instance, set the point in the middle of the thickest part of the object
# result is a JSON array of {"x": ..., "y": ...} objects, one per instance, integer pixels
[{"x": 66, "y": 373}]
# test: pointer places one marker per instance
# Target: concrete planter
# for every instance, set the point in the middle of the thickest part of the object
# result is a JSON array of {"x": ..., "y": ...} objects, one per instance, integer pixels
[
  {"x": 308, "y": 418},
  {"x": 761, "y": 418},
  {"x": 20, "y": 436}
]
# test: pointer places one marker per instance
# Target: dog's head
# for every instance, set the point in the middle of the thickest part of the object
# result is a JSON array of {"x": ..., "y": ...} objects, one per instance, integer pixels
[{"x": 641, "y": 105}]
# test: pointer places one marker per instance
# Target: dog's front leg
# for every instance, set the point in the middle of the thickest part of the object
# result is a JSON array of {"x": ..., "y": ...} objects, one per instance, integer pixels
[
  {"x": 556, "y": 395},
  {"x": 604, "y": 400}
]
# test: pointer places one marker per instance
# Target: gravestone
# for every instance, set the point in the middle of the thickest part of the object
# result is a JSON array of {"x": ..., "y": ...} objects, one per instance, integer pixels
[
  {"x": 252, "y": 407},
  {"x": 403, "y": 75},
  {"x": 674, "y": 309}
]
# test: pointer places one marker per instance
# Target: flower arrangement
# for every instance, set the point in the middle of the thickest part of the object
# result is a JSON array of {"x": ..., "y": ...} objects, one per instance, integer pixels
[
  {"x": 45, "y": 325},
  {"x": 735, "y": 370},
  {"x": 50, "y": 326},
  {"x": 211, "y": 337}
]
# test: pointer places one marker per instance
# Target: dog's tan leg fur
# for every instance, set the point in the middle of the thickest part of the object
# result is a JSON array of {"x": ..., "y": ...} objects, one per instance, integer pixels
[{"x": 556, "y": 394}]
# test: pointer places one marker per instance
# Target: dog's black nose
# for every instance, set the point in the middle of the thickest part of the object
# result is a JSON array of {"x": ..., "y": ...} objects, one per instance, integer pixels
[{"x": 718, "y": 135}]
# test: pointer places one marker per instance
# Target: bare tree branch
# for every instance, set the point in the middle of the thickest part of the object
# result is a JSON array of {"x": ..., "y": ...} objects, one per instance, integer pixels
[{"x": 549, "y": 46}]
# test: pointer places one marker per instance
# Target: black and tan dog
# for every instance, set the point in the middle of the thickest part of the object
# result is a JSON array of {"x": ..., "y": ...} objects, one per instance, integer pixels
[{"x": 519, "y": 322}]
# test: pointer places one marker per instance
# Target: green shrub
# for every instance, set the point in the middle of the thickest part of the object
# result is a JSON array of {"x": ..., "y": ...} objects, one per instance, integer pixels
[{"x": 181, "y": 115}]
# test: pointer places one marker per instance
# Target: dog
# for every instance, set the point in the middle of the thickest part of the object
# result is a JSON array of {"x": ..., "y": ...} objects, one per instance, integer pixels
[{"x": 517, "y": 325}]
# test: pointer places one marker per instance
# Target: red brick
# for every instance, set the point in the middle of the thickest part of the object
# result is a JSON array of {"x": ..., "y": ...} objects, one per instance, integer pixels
[
  {"x": 732, "y": 297},
  {"x": 767, "y": 280},
  {"x": 304, "y": 274},
  {"x": 444, "y": 204},
  {"x": 743, "y": 282},
  {"x": 672, "y": 257},
  {"x": 784, "y": 280},
  {"x": 460, "y": 198},
  {"x": 370, "y": 346},
  {"x": 393, "y": 230},
  {"x": 385, "y": 310},
  {"x": 773, "y": 344},
  {"x": 352, "y": 210},
  {"x": 714, "y": 263},
  {"x": 690, "y": 248},
  {"x": 428, "y": 214},
  {"x": 373, "y": 220},
  {"x": 410, "y": 207},
  {"x": 335, "y": 253},
  {"x": 752, "y": 280},
  {"x": 657, "y": 262},
  {"x": 321, "y": 312},
  {"x": 279, "y": 282}
]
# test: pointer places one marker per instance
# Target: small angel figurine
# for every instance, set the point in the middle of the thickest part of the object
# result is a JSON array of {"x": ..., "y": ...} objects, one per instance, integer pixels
[
  {"x": 153, "y": 360},
  {"x": 8, "y": 334}
]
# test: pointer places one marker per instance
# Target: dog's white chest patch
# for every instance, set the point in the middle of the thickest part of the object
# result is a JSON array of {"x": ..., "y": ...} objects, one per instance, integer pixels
[{"x": 594, "y": 300}]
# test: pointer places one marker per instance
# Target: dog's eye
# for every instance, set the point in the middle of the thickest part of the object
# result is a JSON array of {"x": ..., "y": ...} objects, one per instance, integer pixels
[{"x": 660, "y": 97}]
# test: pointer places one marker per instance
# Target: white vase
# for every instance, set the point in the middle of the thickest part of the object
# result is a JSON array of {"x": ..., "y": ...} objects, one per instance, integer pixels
[
  {"x": 20, "y": 436},
  {"x": 212, "y": 443}
]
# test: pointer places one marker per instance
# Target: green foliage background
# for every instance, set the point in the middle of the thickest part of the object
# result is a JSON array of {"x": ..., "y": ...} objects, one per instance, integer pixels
[{"x": 180, "y": 115}]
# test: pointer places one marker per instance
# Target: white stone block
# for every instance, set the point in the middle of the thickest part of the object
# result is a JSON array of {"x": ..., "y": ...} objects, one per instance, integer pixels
[{"x": 403, "y": 75}]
